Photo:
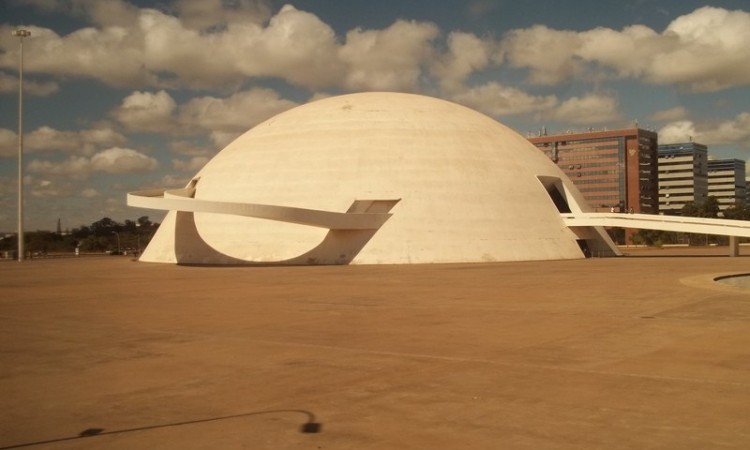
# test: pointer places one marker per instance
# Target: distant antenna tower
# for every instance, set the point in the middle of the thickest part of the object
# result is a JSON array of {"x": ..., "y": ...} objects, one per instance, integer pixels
[{"x": 59, "y": 227}]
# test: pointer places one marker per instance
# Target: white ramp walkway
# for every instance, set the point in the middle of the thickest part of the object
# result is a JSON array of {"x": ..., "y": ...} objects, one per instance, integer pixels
[{"x": 699, "y": 225}]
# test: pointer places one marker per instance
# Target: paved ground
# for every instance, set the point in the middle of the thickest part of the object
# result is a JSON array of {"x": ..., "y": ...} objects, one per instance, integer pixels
[{"x": 640, "y": 352}]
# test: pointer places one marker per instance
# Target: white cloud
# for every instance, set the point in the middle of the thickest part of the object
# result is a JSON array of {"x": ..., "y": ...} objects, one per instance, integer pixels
[
  {"x": 236, "y": 113},
  {"x": 216, "y": 43},
  {"x": 146, "y": 111},
  {"x": 84, "y": 142},
  {"x": 114, "y": 160},
  {"x": 729, "y": 132},
  {"x": 113, "y": 55},
  {"x": 122, "y": 160},
  {"x": 735, "y": 131},
  {"x": 705, "y": 50},
  {"x": 295, "y": 45},
  {"x": 466, "y": 54},
  {"x": 712, "y": 53},
  {"x": 547, "y": 53},
  {"x": 589, "y": 109},
  {"x": 222, "y": 119},
  {"x": 499, "y": 100},
  {"x": 388, "y": 59},
  {"x": 676, "y": 132}
]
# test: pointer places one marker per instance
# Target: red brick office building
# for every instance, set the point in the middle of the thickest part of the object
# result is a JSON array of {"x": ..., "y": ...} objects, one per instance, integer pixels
[{"x": 615, "y": 169}]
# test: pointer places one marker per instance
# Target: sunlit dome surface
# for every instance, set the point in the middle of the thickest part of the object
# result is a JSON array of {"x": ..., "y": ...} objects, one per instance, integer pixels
[{"x": 460, "y": 186}]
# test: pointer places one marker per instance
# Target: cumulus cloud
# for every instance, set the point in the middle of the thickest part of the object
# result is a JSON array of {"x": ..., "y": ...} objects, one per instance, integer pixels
[
  {"x": 735, "y": 131},
  {"x": 548, "y": 54},
  {"x": 216, "y": 43},
  {"x": 122, "y": 160},
  {"x": 234, "y": 114},
  {"x": 147, "y": 47},
  {"x": 114, "y": 160},
  {"x": 589, "y": 109},
  {"x": 703, "y": 51},
  {"x": 84, "y": 142},
  {"x": 221, "y": 119},
  {"x": 499, "y": 100},
  {"x": 676, "y": 132},
  {"x": 113, "y": 55},
  {"x": 388, "y": 59},
  {"x": 146, "y": 111},
  {"x": 466, "y": 54}
]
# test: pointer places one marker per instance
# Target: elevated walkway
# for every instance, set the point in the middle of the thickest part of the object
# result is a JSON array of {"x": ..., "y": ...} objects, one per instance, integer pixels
[{"x": 698, "y": 225}]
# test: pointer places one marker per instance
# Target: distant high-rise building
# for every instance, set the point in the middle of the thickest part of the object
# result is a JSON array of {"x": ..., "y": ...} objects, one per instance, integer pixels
[
  {"x": 726, "y": 181},
  {"x": 614, "y": 169},
  {"x": 683, "y": 175}
]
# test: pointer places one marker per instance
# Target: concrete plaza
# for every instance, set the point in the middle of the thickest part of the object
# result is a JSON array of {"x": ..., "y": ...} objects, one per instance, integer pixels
[{"x": 638, "y": 352}]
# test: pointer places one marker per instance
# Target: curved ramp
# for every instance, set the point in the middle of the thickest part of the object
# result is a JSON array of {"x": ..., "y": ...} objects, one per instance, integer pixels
[
  {"x": 700, "y": 225},
  {"x": 358, "y": 217}
]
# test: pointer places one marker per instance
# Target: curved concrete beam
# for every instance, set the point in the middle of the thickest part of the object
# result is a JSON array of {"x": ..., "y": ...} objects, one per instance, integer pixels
[
  {"x": 182, "y": 200},
  {"x": 700, "y": 225}
]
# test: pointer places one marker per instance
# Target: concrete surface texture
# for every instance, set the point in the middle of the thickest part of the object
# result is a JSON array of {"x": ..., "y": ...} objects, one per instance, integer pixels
[
  {"x": 620, "y": 353},
  {"x": 462, "y": 187}
]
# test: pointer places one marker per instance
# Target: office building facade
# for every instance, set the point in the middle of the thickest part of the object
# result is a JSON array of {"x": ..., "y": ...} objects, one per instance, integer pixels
[
  {"x": 683, "y": 176},
  {"x": 614, "y": 170},
  {"x": 726, "y": 181}
]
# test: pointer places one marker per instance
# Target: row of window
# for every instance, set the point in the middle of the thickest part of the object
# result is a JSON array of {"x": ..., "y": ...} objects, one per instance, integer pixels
[
  {"x": 602, "y": 197},
  {"x": 591, "y": 164},
  {"x": 594, "y": 172},
  {"x": 584, "y": 156}
]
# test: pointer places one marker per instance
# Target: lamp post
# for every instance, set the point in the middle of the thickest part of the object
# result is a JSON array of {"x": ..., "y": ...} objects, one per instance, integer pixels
[{"x": 20, "y": 33}]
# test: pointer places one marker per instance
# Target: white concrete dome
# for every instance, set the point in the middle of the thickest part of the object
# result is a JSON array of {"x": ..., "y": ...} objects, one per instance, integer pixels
[{"x": 460, "y": 186}]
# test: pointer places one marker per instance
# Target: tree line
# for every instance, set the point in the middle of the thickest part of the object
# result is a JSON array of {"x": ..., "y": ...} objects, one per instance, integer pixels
[
  {"x": 709, "y": 208},
  {"x": 104, "y": 235}
]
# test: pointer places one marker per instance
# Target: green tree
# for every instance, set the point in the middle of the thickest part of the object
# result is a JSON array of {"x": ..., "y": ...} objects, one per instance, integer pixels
[{"x": 737, "y": 212}]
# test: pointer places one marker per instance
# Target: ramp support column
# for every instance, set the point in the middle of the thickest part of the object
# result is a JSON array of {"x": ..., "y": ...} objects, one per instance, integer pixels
[{"x": 734, "y": 246}]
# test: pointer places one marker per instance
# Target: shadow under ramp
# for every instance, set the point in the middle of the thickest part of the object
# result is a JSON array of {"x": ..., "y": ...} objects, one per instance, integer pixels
[{"x": 338, "y": 247}]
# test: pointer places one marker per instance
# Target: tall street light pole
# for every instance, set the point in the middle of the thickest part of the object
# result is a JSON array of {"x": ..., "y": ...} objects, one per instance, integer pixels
[{"x": 20, "y": 33}]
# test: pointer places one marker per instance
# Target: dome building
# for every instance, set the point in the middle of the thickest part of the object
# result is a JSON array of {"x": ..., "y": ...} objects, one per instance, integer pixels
[{"x": 373, "y": 178}]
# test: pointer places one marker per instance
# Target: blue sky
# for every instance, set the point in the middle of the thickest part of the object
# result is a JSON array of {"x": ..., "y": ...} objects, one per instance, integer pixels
[{"x": 123, "y": 95}]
